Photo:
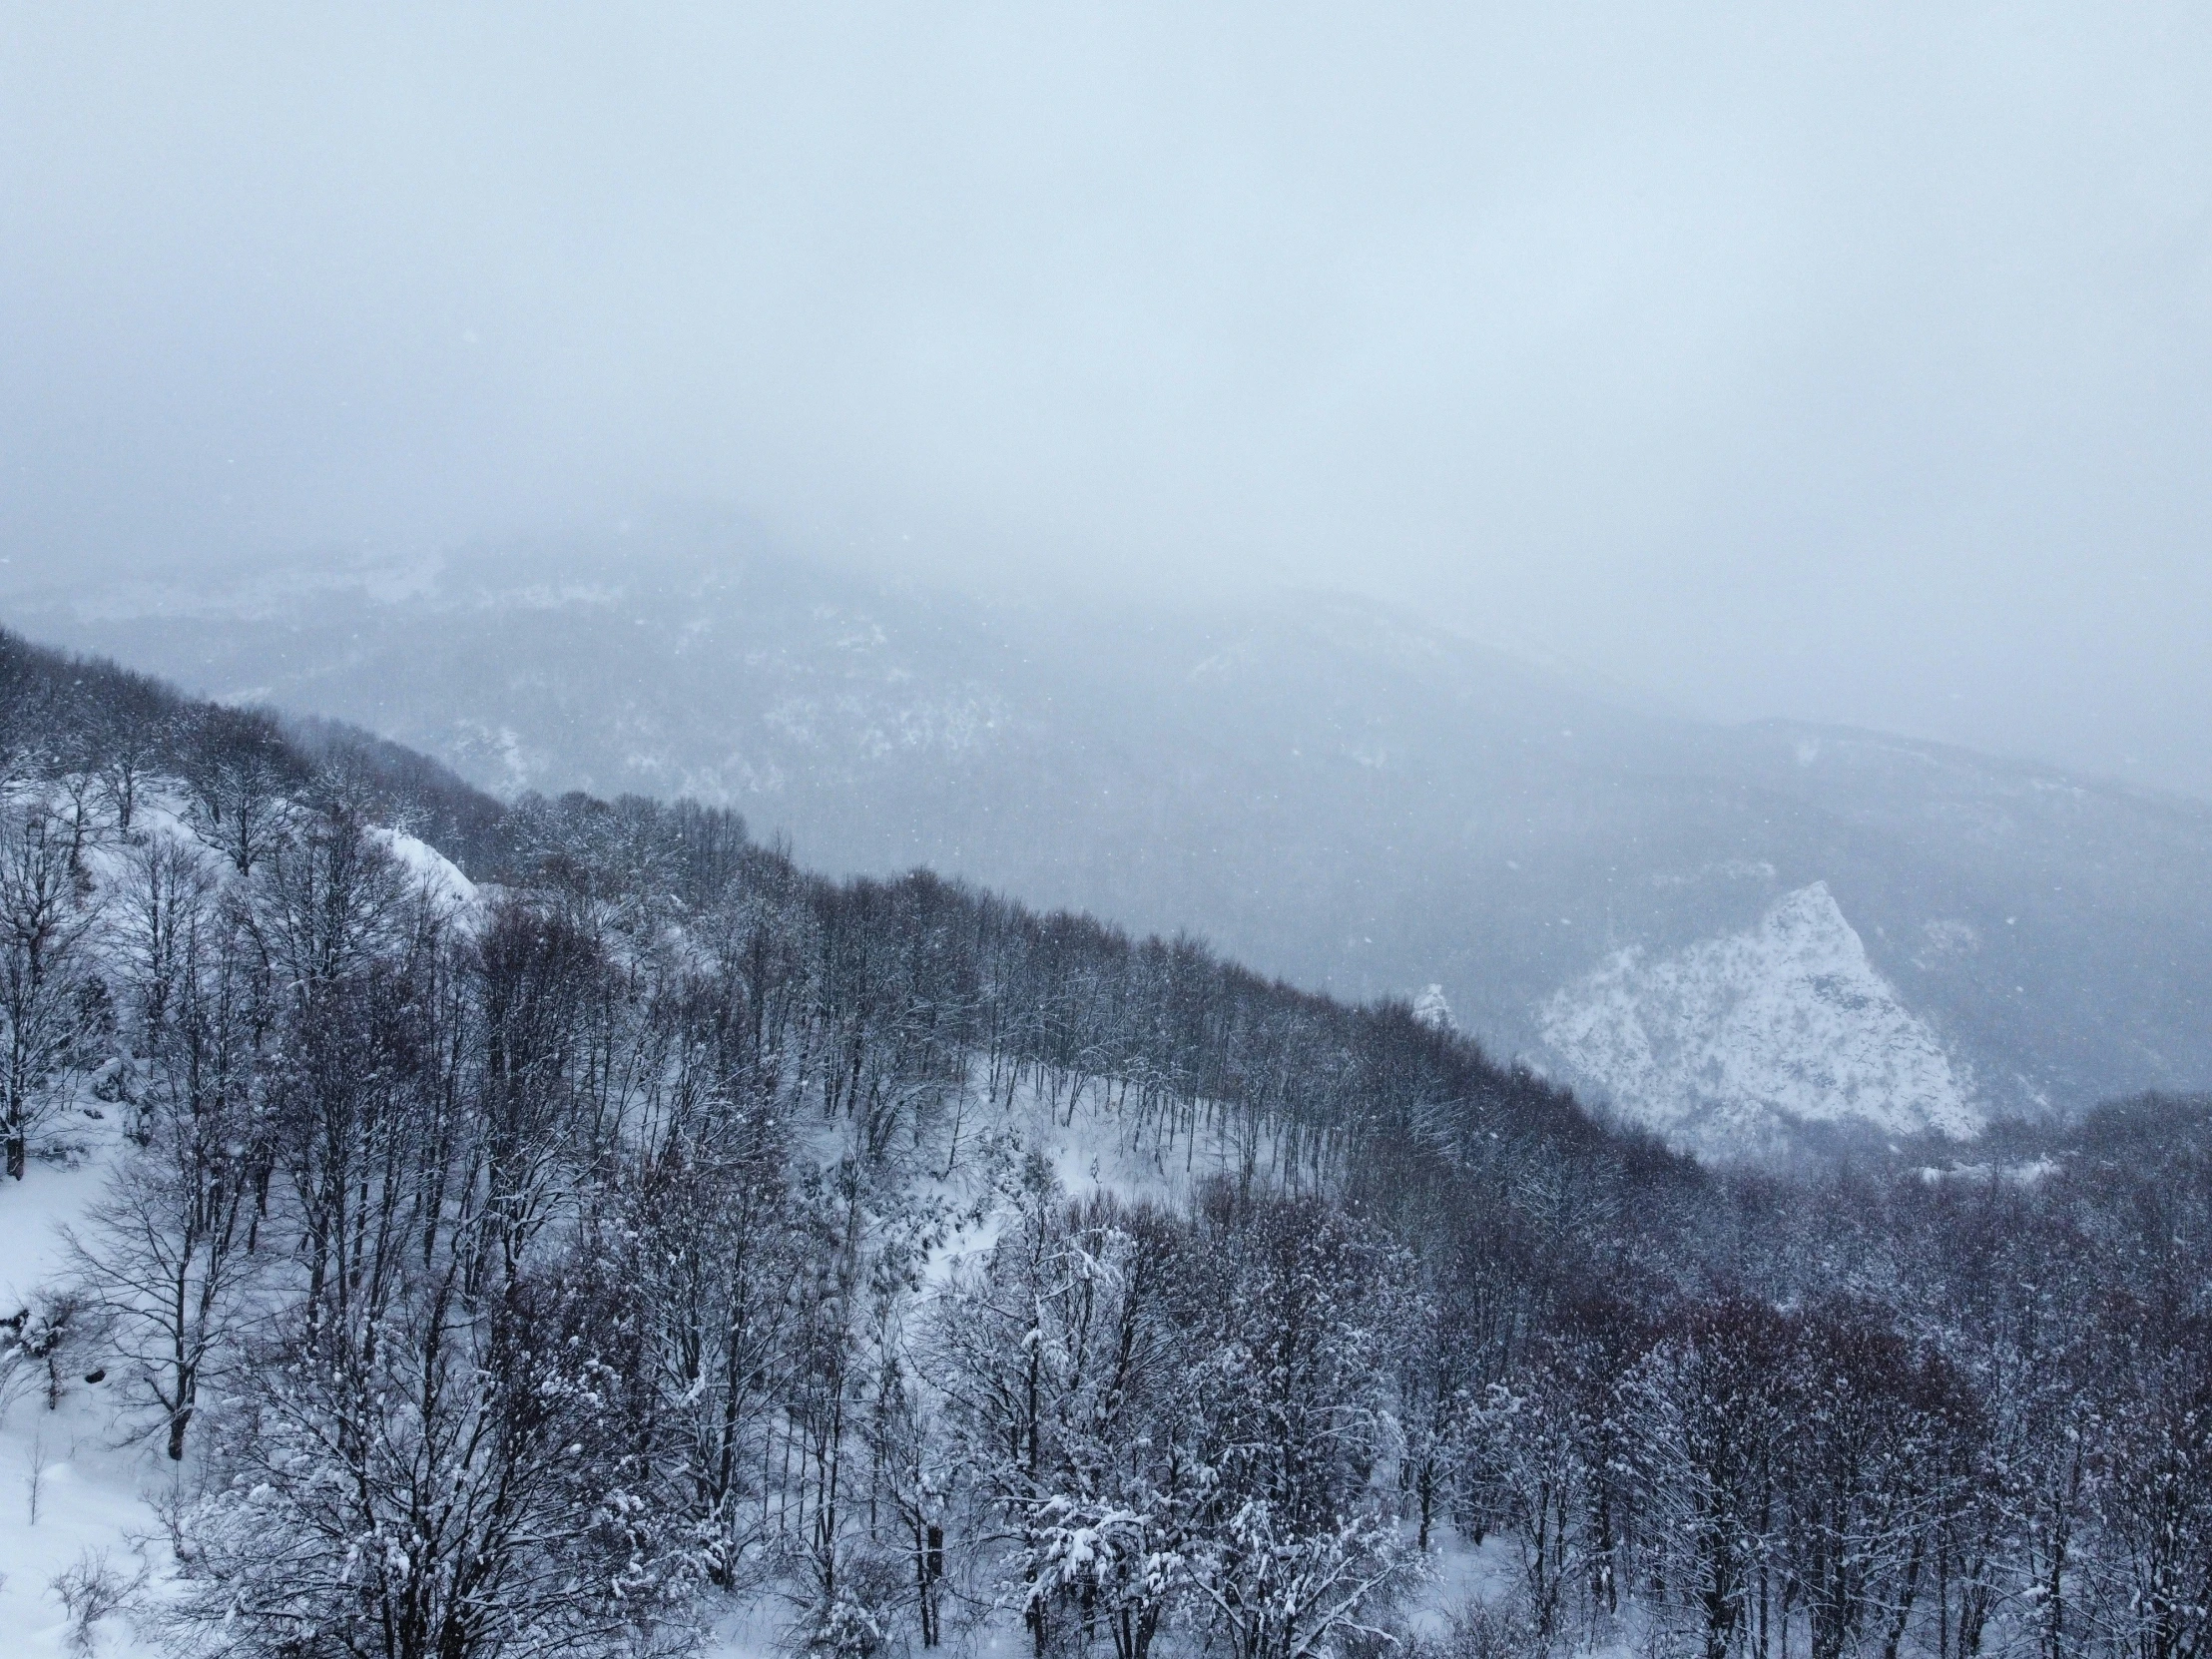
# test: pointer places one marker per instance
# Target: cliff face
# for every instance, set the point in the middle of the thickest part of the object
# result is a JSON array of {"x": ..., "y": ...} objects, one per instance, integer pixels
[{"x": 1735, "y": 1041}]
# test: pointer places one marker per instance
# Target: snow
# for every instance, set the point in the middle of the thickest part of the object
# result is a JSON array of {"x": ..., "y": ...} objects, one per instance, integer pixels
[
  {"x": 99, "y": 1485},
  {"x": 99, "y": 1495},
  {"x": 431, "y": 868},
  {"x": 2023, "y": 1175},
  {"x": 1460, "y": 1575},
  {"x": 1434, "y": 1011},
  {"x": 1737, "y": 1039},
  {"x": 96, "y": 1481},
  {"x": 95, "y": 1489}
]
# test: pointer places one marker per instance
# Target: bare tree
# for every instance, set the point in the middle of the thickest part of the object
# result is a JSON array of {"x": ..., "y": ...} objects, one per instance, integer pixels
[
  {"x": 165, "y": 1250},
  {"x": 46, "y": 917},
  {"x": 458, "y": 1488},
  {"x": 238, "y": 806}
]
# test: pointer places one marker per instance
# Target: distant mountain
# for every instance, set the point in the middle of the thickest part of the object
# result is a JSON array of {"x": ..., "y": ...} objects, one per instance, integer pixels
[{"x": 1728, "y": 932}]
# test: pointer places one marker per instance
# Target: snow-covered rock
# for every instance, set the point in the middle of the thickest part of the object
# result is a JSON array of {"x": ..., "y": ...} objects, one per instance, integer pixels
[{"x": 1736, "y": 1039}]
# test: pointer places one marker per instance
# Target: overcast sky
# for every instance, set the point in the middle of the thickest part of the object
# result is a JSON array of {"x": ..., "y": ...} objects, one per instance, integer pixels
[{"x": 1850, "y": 362}]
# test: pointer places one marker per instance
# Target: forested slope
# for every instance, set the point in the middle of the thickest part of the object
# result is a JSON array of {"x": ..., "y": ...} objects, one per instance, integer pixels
[
  {"x": 1730, "y": 934},
  {"x": 559, "y": 1251}
]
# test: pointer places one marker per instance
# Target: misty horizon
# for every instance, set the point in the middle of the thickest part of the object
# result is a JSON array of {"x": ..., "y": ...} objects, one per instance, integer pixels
[
  {"x": 631, "y": 553},
  {"x": 1779, "y": 369}
]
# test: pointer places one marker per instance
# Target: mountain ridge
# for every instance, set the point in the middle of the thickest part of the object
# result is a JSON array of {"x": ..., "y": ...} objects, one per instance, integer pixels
[{"x": 1330, "y": 789}]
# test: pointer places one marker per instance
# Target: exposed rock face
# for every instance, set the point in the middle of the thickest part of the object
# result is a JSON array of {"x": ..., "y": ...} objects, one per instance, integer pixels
[{"x": 1734, "y": 1041}]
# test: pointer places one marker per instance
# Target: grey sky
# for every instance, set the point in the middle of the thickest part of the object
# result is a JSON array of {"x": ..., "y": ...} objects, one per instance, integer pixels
[{"x": 1852, "y": 363}]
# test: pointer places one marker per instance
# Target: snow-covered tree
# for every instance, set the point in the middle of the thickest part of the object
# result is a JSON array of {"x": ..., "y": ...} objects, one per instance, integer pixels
[
  {"x": 166, "y": 1251},
  {"x": 48, "y": 1005}
]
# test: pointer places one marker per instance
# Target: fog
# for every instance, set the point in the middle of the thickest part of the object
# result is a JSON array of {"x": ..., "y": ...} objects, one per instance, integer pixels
[{"x": 1851, "y": 363}]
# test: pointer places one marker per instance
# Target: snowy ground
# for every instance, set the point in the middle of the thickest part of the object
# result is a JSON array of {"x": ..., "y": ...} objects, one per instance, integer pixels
[
  {"x": 98, "y": 1492},
  {"x": 78, "y": 1484},
  {"x": 72, "y": 1487}
]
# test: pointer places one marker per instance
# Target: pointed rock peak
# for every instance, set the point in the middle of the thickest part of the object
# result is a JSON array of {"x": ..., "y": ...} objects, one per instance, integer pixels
[{"x": 1729, "y": 1044}]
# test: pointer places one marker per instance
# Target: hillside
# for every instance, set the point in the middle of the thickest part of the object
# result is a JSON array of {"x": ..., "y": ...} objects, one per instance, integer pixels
[
  {"x": 1329, "y": 791},
  {"x": 614, "y": 1239}
]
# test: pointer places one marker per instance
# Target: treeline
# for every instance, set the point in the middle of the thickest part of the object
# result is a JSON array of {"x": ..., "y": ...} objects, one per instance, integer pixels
[{"x": 532, "y": 1273}]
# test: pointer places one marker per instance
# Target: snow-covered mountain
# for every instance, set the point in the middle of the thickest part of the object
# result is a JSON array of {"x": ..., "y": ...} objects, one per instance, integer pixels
[
  {"x": 1731, "y": 1040},
  {"x": 1726, "y": 932}
]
